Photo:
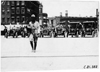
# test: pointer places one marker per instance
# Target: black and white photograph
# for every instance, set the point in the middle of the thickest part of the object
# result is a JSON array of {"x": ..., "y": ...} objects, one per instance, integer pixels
[{"x": 49, "y": 35}]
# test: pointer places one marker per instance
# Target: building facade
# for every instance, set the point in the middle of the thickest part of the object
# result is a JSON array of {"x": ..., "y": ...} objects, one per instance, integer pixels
[
  {"x": 44, "y": 19},
  {"x": 5, "y": 12},
  {"x": 19, "y": 11},
  {"x": 53, "y": 21}
]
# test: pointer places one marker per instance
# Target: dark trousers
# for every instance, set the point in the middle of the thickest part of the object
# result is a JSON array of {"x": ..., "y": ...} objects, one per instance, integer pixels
[{"x": 35, "y": 38}]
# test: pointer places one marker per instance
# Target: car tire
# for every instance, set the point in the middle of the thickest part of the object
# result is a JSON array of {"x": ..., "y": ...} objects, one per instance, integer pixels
[
  {"x": 22, "y": 34},
  {"x": 16, "y": 34},
  {"x": 42, "y": 35},
  {"x": 64, "y": 34},
  {"x": 50, "y": 34},
  {"x": 72, "y": 35},
  {"x": 82, "y": 34},
  {"x": 67, "y": 34},
  {"x": 6, "y": 35},
  {"x": 13, "y": 35},
  {"x": 93, "y": 34},
  {"x": 77, "y": 34},
  {"x": 28, "y": 34},
  {"x": 55, "y": 35}
]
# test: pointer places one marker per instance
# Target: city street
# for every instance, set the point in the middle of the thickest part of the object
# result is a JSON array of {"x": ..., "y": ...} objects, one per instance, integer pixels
[
  {"x": 52, "y": 53},
  {"x": 76, "y": 21}
]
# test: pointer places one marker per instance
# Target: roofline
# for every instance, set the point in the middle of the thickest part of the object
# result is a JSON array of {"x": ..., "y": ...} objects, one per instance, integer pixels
[{"x": 88, "y": 21}]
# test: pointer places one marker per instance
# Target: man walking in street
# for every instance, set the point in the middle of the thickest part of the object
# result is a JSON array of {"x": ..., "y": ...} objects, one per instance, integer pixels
[{"x": 34, "y": 26}]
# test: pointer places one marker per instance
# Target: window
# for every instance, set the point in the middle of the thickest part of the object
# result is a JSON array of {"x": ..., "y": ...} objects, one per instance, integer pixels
[
  {"x": 17, "y": 2},
  {"x": 28, "y": 10},
  {"x": 3, "y": 20},
  {"x": 22, "y": 3},
  {"x": 17, "y": 19},
  {"x": 13, "y": 10},
  {"x": 44, "y": 17},
  {"x": 39, "y": 17},
  {"x": 23, "y": 19},
  {"x": 8, "y": 3},
  {"x": 22, "y": 10},
  {"x": 17, "y": 10},
  {"x": 8, "y": 20},
  {"x": 12, "y": 3},
  {"x": 8, "y": 10},
  {"x": 51, "y": 21},
  {"x": 13, "y": 20},
  {"x": 40, "y": 10},
  {"x": 3, "y": 11}
]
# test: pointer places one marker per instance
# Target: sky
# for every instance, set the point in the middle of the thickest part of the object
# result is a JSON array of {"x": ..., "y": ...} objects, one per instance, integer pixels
[{"x": 75, "y": 8}]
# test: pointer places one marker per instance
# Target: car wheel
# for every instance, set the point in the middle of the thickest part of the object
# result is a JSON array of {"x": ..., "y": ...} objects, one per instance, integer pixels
[
  {"x": 72, "y": 35},
  {"x": 42, "y": 35},
  {"x": 67, "y": 34},
  {"x": 28, "y": 34},
  {"x": 13, "y": 35},
  {"x": 77, "y": 34},
  {"x": 6, "y": 35},
  {"x": 22, "y": 34},
  {"x": 16, "y": 34},
  {"x": 50, "y": 34},
  {"x": 82, "y": 34},
  {"x": 55, "y": 35},
  {"x": 93, "y": 34},
  {"x": 64, "y": 34}
]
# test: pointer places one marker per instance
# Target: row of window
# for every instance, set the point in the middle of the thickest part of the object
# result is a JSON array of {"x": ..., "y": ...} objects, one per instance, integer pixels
[
  {"x": 17, "y": 3},
  {"x": 18, "y": 10},
  {"x": 13, "y": 10},
  {"x": 13, "y": 20}
]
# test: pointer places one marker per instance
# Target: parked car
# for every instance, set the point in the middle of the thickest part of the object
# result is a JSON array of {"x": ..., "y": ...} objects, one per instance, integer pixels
[
  {"x": 74, "y": 29},
  {"x": 3, "y": 29},
  {"x": 45, "y": 32},
  {"x": 11, "y": 32},
  {"x": 89, "y": 28},
  {"x": 59, "y": 30}
]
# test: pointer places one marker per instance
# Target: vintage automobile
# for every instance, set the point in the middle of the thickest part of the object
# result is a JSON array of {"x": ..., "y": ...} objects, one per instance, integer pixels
[
  {"x": 19, "y": 32},
  {"x": 11, "y": 32},
  {"x": 3, "y": 30},
  {"x": 59, "y": 30},
  {"x": 26, "y": 32},
  {"x": 89, "y": 28},
  {"x": 45, "y": 32},
  {"x": 74, "y": 29}
]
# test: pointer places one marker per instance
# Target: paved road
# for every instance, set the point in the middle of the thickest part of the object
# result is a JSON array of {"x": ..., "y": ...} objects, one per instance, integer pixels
[{"x": 52, "y": 53}]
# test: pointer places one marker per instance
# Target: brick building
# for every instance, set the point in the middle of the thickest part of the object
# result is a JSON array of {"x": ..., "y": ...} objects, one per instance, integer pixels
[
  {"x": 54, "y": 20},
  {"x": 19, "y": 11},
  {"x": 44, "y": 19}
]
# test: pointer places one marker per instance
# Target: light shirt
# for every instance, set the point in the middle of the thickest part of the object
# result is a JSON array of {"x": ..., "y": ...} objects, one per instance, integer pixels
[{"x": 35, "y": 26}]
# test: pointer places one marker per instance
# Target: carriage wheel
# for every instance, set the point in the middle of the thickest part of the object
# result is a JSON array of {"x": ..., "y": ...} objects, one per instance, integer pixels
[{"x": 6, "y": 35}]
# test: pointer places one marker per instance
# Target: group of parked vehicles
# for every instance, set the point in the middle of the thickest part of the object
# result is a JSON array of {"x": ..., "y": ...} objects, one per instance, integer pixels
[
  {"x": 73, "y": 29},
  {"x": 15, "y": 31}
]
